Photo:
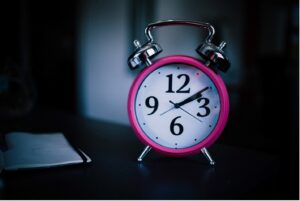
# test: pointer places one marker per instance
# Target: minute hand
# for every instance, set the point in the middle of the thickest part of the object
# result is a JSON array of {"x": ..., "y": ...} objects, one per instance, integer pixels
[{"x": 191, "y": 98}]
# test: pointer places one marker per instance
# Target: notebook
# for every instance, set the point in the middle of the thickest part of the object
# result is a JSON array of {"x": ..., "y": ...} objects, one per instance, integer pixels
[{"x": 27, "y": 150}]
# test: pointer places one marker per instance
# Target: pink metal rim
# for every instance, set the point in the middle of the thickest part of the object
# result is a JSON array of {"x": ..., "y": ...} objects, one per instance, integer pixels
[{"x": 224, "y": 101}]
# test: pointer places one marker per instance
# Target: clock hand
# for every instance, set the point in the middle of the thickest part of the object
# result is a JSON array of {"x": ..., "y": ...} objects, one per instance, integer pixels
[
  {"x": 184, "y": 111},
  {"x": 191, "y": 98},
  {"x": 187, "y": 100},
  {"x": 167, "y": 111}
]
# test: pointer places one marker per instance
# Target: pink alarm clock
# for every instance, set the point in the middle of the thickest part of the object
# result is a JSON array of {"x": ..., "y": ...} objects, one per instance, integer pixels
[{"x": 178, "y": 105}]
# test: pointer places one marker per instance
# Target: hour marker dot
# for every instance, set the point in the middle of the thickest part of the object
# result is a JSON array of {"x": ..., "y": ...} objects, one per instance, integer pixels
[
  {"x": 215, "y": 106},
  {"x": 197, "y": 73},
  {"x": 139, "y": 104},
  {"x": 209, "y": 125},
  {"x": 144, "y": 123},
  {"x": 175, "y": 143},
  {"x": 156, "y": 137},
  {"x": 178, "y": 67},
  {"x": 158, "y": 72},
  {"x": 195, "y": 139},
  {"x": 145, "y": 86}
]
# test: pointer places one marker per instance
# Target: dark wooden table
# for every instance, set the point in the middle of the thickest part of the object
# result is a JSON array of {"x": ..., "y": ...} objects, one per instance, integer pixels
[{"x": 115, "y": 174}]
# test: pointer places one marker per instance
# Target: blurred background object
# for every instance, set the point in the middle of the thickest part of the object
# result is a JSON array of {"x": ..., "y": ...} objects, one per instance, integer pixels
[
  {"x": 72, "y": 56},
  {"x": 17, "y": 91}
]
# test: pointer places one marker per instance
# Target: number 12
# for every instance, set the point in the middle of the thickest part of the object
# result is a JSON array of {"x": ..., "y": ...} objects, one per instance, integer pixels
[{"x": 180, "y": 90}]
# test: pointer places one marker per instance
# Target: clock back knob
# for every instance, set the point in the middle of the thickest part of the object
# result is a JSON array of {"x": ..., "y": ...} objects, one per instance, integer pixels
[
  {"x": 143, "y": 53},
  {"x": 215, "y": 55}
]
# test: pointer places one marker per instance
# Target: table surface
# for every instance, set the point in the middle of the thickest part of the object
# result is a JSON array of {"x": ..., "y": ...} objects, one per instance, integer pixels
[{"x": 115, "y": 174}]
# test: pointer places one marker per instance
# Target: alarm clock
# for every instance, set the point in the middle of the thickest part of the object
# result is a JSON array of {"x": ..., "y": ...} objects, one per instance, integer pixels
[{"x": 178, "y": 105}]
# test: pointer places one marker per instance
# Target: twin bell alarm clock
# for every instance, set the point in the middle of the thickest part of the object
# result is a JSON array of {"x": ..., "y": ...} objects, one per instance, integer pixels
[{"x": 178, "y": 105}]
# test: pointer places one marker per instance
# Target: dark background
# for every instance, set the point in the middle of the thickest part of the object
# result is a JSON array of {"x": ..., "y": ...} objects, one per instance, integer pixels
[{"x": 38, "y": 64}]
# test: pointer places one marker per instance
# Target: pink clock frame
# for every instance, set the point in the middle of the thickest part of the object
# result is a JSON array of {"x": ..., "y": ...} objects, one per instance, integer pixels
[{"x": 224, "y": 102}]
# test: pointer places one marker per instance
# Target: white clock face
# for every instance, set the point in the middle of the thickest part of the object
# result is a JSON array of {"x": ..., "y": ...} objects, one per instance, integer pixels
[{"x": 177, "y": 106}]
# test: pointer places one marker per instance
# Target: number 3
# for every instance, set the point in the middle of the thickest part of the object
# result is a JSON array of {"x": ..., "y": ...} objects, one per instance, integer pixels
[{"x": 204, "y": 106}]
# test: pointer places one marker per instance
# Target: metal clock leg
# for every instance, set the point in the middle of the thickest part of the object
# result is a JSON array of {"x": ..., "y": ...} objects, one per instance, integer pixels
[
  {"x": 207, "y": 155},
  {"x": 144, "y": 153}
]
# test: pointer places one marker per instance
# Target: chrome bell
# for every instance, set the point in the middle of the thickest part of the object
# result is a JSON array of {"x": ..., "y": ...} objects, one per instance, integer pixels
[
  {"x": 143, "y": 54},
  {"x": 214, "y": 55}
]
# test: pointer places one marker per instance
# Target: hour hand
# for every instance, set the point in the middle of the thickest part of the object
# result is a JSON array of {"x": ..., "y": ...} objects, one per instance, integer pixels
[{"x": 191, "y": 98}]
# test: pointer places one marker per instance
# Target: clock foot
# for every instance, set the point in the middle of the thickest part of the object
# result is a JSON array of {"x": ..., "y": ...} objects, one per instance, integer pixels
[
  {"x": 207, "y": 155},
  {"x": 144, "y": 153}
]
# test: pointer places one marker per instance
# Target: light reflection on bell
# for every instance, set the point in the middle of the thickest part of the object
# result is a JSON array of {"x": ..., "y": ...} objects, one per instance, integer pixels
[{"x": 143, "y": 54}]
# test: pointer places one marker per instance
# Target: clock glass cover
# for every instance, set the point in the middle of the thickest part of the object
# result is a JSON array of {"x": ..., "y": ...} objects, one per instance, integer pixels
[{"x": 177, "y": 106}]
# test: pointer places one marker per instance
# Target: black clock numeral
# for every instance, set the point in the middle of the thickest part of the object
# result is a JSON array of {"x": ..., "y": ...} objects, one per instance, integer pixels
[
  {"x": 204, "y": 106},
  {"x": 152, "y": 104},
  {"x": 170, "y": 77},
  {"x": 174, "y": 125},
  {"x": 186, "y": 82},
  {"x": 181, "y": 89}
]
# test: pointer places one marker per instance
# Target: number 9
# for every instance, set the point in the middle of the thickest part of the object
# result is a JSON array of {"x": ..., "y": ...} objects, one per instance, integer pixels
[{"x": 154, "y": 106}]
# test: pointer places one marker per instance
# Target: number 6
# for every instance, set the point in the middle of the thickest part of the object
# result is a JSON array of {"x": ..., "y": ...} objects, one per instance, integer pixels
[{"x": 173, "y": 124}]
